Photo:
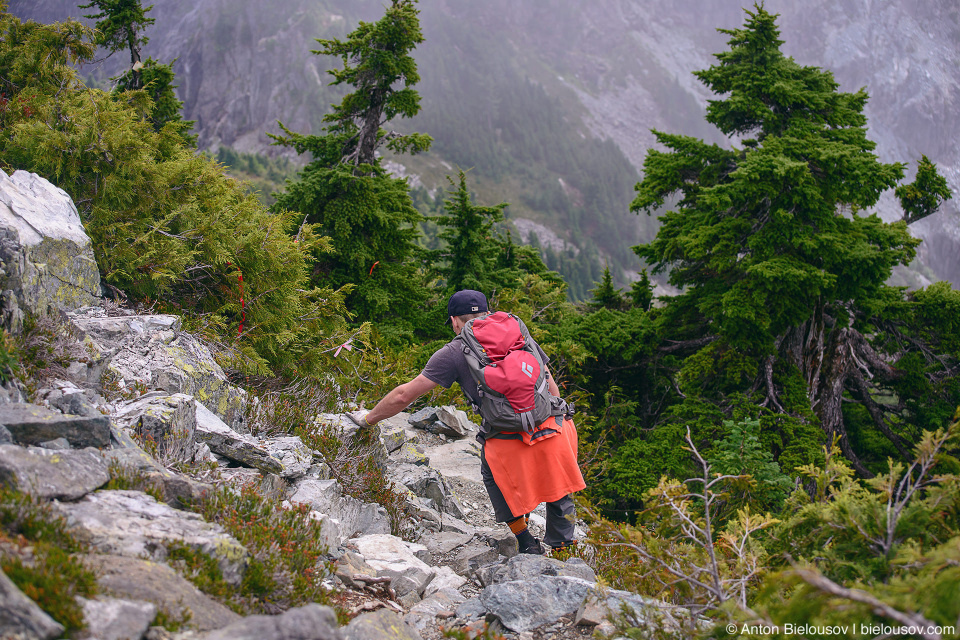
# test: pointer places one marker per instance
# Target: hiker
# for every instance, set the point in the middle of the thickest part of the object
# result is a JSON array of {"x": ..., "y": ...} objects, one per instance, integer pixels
[{"x": 522, "y": 464}]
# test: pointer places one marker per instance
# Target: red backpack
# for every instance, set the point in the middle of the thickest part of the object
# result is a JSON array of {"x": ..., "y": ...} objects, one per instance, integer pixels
[{"x": 514, "y": 392}]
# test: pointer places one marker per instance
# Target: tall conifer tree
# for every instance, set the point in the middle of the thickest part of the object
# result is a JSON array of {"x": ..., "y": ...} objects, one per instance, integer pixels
[
  {"x": 345, "y": 191},
  {"x": 782, "y": 265}
]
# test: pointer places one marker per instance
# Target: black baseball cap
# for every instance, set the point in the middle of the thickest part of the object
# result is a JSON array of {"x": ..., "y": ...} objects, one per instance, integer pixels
[{"x": 465, "y": 302}]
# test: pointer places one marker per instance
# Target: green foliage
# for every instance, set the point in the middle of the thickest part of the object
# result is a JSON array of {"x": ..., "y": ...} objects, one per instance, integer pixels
[
  {"x": 167, "y": 225},
  {"x": 287, "y": 553},
  {"x": 741, "y": 453},
  {"x": 119, "y": 25},
  {"x": 759, "y": 238},
  {"x": 782, "y": 271},
  {"x": 924, "y": 195},
  {"x": 157, "y": 80},
  {"x": 605, "y": 296},
  {"x": 9, "y": 362},
  {"x": 261, "y": 174},
  {"x": 471, "y": 250},
  {"x": 36, "y": 555},
  {"x": 344, "y": 191},
  {"x": 641, "y": 291}
]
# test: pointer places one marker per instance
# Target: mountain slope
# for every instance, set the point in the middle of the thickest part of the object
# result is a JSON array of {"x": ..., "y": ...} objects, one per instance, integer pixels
[{"x": 511, "y": 87}]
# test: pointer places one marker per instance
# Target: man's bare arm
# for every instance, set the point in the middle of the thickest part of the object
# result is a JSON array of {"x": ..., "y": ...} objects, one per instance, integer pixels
[
  {"x": 400, "y": 398},
  {"x": 552, "y": 385}
]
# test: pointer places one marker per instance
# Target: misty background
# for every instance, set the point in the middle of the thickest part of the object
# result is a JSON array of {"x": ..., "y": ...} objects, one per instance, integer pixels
[{"x": 550, "y": 103}]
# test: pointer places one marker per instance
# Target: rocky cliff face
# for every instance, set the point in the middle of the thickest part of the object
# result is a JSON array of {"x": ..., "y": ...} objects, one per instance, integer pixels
[{"x": 243, "y": 65}]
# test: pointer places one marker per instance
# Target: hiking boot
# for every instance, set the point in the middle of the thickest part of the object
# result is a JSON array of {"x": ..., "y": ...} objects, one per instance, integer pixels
[
  {"x": 526, "y": 543},
  {"x": 532, "y": 547}
]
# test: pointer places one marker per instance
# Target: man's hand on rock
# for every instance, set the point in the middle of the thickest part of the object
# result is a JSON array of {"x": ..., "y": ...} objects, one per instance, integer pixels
[{"x": 359, "y": 418}]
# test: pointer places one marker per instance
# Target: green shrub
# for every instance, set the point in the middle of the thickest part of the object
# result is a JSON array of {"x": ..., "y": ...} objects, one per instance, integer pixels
[
  {"x": 36, "y": 556},
  {"x": 287, "y": 553},
  {"x": 167, "y": 225}
]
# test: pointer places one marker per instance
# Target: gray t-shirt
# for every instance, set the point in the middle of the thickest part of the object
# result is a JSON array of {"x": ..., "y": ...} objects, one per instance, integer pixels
[{"x": 449, "y": 365}]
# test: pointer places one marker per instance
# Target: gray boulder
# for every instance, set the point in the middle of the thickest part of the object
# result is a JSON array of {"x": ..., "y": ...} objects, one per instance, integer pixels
[
  {"x": 528, "y": 567},
  {"x": 529, "y": 604},
  {"x": 152, "y": 351},
  {"x": 60, "y": 444},
  {"x": 295, "y": 456},
  {"x": 223, "y": 440},
  {"x": 600, "y": 607},
  {"x": 46, "y": 259},
  {"x": 134, "y": 524},
  {"x": 453, "y": 422},
  {"x": 378, "y": 625},
  {"x": 74, "y": 404},
  {"x": 50, "y": 474},
  {"x": 352, "y": 516},
  {"x": 351, "y": 567},
  {"x": 115, "y": 619},
  {"x": 410, "y": 453},
  {"x": 309, "y": 622},
  {"x": 430, "y": 484},
  {"x": 155, "y": 582},
  {"x": 471, "y": 557},
  {"x": 170, "y": 421},
  {"x": 5, "y": 436},
  {"x": 32, "y": 424},
  {"x": 398, "y": 560},
  {"x": 20, "y": 617},
  {"x": 444, "y": 542},
  {"x": 441, "y": 602},
  {"x": 423, "y": 418}
]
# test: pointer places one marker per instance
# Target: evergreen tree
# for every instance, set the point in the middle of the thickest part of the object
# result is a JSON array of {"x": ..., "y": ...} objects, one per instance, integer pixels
[
  {"x": 120, "y": 25},
  {"x": 472, "y": 245},
  {"x": 605, "y": 296},
  {"x": 376, "y": 59},
  {"x": 781, "y": 265},
  {"x": 157, "y": 80},
  {"x": 641, "y": 291},
  {"x": 345, "y": 191}
]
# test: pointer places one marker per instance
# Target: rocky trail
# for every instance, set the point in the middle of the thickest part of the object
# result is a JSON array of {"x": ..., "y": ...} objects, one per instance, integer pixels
[{"x": 143, "y": 398}]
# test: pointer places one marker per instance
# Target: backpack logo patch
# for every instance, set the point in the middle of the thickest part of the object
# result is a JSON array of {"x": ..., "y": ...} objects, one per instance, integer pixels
[{"x": 527, "y": 369}]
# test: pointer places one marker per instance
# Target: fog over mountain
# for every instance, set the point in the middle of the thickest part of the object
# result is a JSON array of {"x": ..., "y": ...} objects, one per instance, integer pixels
[{"x": 604, "y": 69}]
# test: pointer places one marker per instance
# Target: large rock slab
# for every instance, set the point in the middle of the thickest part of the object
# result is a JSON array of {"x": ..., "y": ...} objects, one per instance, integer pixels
[
  {"x": 309, "y": 622},
  {"x": 168, "y": 420},
  {"x": 152, "y": 351},
  {"x": 379, "y": 625},
  {"x": 223, "y": 440},
  {"x": 20, "y": 617},
  {"x": 352, "y": 516},
  {"x": 46, "y": 258},
  {"x": 115, "y": 619},
  {"x": 398, "y": 560},
  {"x": 529, "y": 567},
  {"x": 155, "y": 582},
  {"x": 32, "y": 424},
  {"x": 530, "y": 604},
  {"x": 134, "y": 524},
  {"x": 51, "y": 474}
]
